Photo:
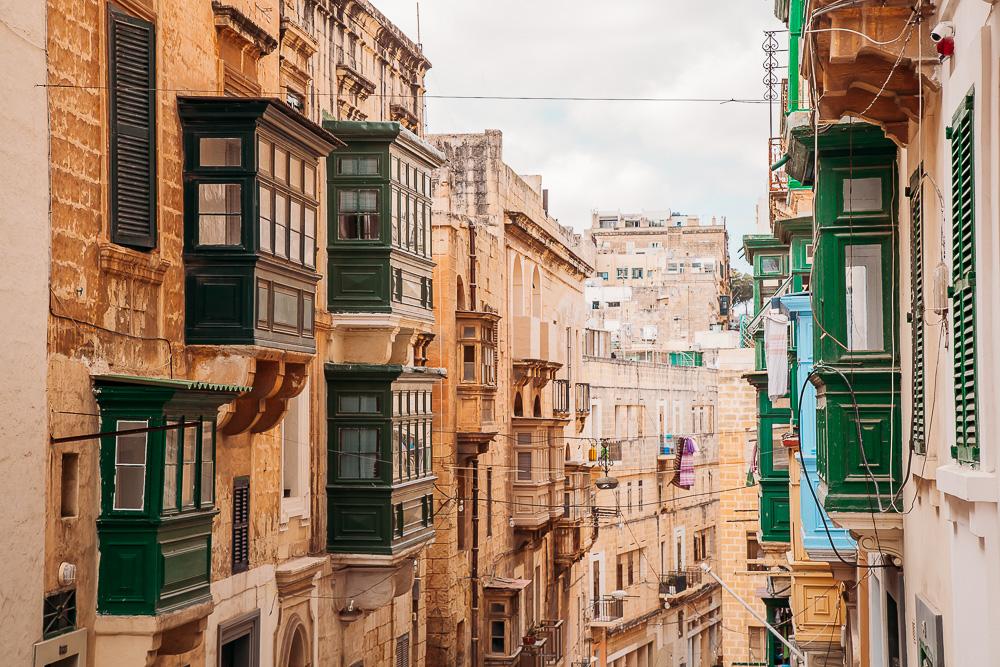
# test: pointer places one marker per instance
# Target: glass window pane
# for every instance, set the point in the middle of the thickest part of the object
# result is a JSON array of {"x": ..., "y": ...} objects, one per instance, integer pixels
[
  {"x": 171, "y": 453},
  {"x": 358, "y": 453},
  {"x": 207, "y": 464},
  {"x": 220, "y": 151},
  {"x": 309, "y": 245},
  {"x": 350, "y": 403},
  {"x": 862, "y": 194},
  {"x": 280, "y": 225},
  {"x": 863, "y": 269},
  {"x": 498, "y": 633},
  {"x": 310, "y": 180},
  {"x": 468, "y": 363},
  {"x": 524, "y": 465},
  {"x": 219, "y": 208},
  {"x": 308, "y": 312},
  {"x": 295, "y": 172},
  {"x": 190, "y": 462},
  {"x": 770, "y": 264},
  {"x": 130, "y": 466},
  {"x": 280, "y": 165},
  {"x": 295, "y": 232},
  {"x": 266, "y": 220},
  {"x": 264, "y": 150}
]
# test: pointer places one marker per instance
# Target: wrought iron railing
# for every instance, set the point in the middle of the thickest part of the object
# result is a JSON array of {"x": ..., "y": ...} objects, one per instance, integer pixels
[
  {"x": 678, "y": 581},
  {"x": 606, "y": 609},
  {"x": 560, "y": 396}
]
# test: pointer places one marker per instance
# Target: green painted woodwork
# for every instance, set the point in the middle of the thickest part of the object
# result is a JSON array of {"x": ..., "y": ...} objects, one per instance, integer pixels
[
  {"x": 917, "y": 379},
  {"x": 856, "y": 373},
  {"x": 775, "y": 513},
  {"x": 387, "y": 268},
  {"x": 779, "y": 615},
  {"x": 797, "y": 234},
  {"x": 963, "y": 281},
  {"x": 156, "y": 557},
  {"x": 384, "y": 504},
  {"x": 772, "y": 460},
  {"x": 686, "y": 358},
  {"x": 257, "y": 287}
]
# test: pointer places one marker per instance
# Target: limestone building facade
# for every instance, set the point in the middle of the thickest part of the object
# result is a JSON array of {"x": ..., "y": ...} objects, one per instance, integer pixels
[
  {"x": 238, "y": 459},
  {"x": 510, "y": 534},
  {"x": 661, "y": 277}
]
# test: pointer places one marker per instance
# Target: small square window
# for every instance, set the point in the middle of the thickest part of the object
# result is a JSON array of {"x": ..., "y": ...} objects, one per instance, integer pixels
[
  {"x": 358, "y": 215},
  {"x": 219, "y": 214},
  {"x": 220, "y": 151},
  {"x": 770, "y": 264}
]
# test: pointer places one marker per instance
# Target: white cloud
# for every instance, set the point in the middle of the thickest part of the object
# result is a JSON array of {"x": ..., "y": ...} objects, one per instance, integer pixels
[{"x": 708, "y": 159}]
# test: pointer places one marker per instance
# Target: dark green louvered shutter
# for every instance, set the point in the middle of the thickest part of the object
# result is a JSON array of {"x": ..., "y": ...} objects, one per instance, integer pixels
[
  {"x": 963, "y": 278},
  {"x": 132, "y": 101},
  {"x": 917, "y": 427}
]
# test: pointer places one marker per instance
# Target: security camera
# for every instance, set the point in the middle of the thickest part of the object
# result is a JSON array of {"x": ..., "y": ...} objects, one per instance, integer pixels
[{"x": 942, "y": 30}]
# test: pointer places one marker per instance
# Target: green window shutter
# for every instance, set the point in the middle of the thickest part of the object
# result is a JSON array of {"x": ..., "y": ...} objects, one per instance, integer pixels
[
  {"x": 963, "y": 229},
  {"x": 917, "y": 427},
  {"x": 132, "y": 102}
]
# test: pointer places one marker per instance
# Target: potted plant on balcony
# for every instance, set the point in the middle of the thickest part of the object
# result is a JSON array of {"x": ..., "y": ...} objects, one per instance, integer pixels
[{"x": 530, "y": 638}]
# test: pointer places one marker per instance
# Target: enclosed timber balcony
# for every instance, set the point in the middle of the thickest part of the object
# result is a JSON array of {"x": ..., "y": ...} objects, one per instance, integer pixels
[
  {"x": 855, "y": 293},
  {"x": 251, "y": 207},
  {"x": 538, "y": 480},
  {"x": 157, "y": 492},
  {"x": 477, "y": 382},
  {"x": 379, "y": 204},
  {"x": 854, "y": 50}
]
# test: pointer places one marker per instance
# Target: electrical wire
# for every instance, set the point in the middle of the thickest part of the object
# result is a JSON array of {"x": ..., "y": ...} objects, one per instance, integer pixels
[{"x": 493, "y": 98}]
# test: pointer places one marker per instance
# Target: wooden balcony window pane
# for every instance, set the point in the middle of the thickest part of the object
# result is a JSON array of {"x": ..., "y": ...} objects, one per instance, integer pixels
[
  {"x": 358, "y": 453},
  {"x": 264, "y": 156},
  {"x": 266, "y": 219},
  {"x": 130, "y": 467},
  {"x": 220, "y": 151},
  {"x": 207, "y": 464},
  {"x": 219, "y": 214},
  {"x": 280, "y": 225},
  {"x": 863, "y": 274},
  {"x": 358, "y": 215},
  {"x": 524, "y": 466},
  {"x": 189, "y": 465},
  {"x": 295, "y": 232},
  {"x": 170, "y": 468},
  {"x": 310, "y": 180},
  {"x": 281, "y": 165},
  {"x": 295, "y": 173},
  {"x": 263, "y": 305},
  {"x": 309, "y": 242},
  {"x": 468, "y": 363}
]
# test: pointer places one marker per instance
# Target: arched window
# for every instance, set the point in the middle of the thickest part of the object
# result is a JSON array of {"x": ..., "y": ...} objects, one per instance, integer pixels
[
  {"x": 538, "y": 406},
  {"x": 536, "y": 293},
  {"x": 518, "y": 405},
  {"x": 297, "y": 648},
  {"x": 517, "y": 288},
  {"x": 460, "y": 294}
]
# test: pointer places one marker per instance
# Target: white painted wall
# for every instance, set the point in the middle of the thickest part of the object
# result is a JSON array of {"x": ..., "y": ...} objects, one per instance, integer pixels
[{"x": 24, "y": 256}]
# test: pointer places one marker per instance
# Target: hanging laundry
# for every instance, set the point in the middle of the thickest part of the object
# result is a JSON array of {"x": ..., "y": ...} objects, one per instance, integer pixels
[
  {"x": 776, "y": 353},
  {"x": 686, "y": 449}
]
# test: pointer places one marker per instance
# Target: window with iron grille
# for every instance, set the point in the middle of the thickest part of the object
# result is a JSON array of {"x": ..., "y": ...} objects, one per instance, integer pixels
[
  {"x": 241, "y": 524},
  {"x": 59, "y": 613},
  {"x": 132, "y": 136},
  {"x": 963, "y": 279},
  {"x": 917, "y": 433}
]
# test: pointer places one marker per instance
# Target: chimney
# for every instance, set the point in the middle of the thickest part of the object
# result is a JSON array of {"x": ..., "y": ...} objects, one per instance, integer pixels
[{"x": 545, "y": 200}]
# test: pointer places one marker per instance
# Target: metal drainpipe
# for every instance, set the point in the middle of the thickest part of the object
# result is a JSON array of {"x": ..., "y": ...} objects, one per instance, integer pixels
[
  {"x": 472, "y": 267},
  {"x": 474, "y": 570}
]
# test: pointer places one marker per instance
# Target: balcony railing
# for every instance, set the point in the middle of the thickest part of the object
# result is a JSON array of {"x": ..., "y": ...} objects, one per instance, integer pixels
[
  {"x": 583, "y": 397},
  {"x": 606, "y": 610},
  {"x": 753, "y": 326},
  {"x": 547, "y": 648},
  {"x": 560, "y": 396},
  {"x": 777, "y": 179},
  {"x": 678, "y": 581}
]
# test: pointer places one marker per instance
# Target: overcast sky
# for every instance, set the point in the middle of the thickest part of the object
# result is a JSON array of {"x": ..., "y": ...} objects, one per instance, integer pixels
[{"x": 704, "y": 158}]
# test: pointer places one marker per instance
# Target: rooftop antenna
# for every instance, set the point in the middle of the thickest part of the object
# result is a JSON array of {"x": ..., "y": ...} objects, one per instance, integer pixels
[{"x": 419, "y": 43}]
